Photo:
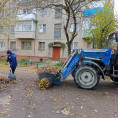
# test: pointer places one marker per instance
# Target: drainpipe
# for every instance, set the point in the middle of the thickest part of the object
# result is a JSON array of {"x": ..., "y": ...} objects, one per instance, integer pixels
[{"x": 35, "y": 34}]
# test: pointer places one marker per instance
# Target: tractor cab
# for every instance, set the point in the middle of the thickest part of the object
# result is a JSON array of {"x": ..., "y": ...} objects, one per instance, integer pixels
[{"x": 113, "y": 42}]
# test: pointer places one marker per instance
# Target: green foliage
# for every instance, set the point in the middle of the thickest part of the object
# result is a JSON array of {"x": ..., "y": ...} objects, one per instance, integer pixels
[
  {"x": 3, "y": 60},
  {"x": 103, "y": 23}
]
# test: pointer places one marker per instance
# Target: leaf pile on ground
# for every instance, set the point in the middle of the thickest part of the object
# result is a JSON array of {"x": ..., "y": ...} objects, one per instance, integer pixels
[
  {"x": 6, "y": 80},
  {"x": 49, "y": 69}
]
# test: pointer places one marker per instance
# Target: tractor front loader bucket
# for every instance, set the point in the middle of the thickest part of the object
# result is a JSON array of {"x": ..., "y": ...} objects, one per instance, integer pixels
[{"x": 47, "y": 79}]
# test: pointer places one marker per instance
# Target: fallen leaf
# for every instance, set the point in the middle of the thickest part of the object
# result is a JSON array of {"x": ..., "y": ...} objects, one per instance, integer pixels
[
  {"x": 57, "y": 112},
  {"x": 84, "y": 116},
  {"x": 66, "y": 111}
]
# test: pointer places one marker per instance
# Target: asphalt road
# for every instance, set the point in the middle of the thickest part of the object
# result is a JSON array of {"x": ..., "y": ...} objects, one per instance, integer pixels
[{"x": 26, "y": 100}]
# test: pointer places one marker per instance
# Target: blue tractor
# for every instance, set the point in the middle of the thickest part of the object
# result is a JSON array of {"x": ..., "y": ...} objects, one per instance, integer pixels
[{"x": 87, "y": 66}]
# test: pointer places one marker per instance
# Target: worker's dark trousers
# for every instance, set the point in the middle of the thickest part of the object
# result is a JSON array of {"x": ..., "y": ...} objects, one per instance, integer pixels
[{"x": 13, "y": 69}]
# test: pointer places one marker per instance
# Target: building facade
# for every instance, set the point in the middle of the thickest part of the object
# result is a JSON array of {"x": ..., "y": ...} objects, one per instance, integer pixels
[{"x": 39, "y": 32}]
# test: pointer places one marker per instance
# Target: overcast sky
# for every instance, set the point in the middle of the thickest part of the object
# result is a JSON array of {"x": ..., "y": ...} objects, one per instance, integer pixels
[{"x": 116, "y": 7}]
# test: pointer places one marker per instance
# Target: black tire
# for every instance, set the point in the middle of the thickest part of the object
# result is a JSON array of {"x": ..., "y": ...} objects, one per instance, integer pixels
[
  {"x": 86, "y": 77},
  {"x": 115, "y": 79}
]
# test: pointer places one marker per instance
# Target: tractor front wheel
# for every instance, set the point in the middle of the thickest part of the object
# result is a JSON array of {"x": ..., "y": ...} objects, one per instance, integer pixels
[{"x": 86, "y": 77}]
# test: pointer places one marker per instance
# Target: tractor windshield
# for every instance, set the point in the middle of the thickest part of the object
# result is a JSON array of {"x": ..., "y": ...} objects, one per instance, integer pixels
[
  {"x": 113, "y": 40},
  {"x": 112, "y": 44}
]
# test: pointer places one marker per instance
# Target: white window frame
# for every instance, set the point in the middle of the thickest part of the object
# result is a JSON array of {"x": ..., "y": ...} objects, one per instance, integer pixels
[
  {"x": 13, "y": 29},
  {"x": 86, "y": 23},
  {"x": 41, "y": 46},
  {"x": 96, "y": 4},
  {"x": 2, "y": 29},
  {"x": 22, "y": 1},
  {"x": 25, "y": 45},
  {"x": 42, "y": 28},
  {"x": 2, "y": 45},
  {"x": 74, "y": 45},
  {"x": 72, "y": 27},
  {"x": 25, "y": 26},
  {"x": 14, "y": 12},
  {"x": 58, "y": 13},
  {"x": 42, "y": 11},
  {"x": 57, "y": 30},
  {"x": 4, "y": 14}
]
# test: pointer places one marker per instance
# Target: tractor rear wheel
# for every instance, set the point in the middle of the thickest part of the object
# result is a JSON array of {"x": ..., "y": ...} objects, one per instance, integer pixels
[{"x": 86, "y": 77}]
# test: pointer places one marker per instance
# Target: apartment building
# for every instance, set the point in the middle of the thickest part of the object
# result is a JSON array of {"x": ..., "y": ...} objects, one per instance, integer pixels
[{"x": 39, "y": 32}]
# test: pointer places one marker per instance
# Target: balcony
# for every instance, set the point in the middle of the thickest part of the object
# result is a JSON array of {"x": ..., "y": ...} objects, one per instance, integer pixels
[
  {"x": 25, "y": 35},
  {"x": 25, "y": 30},
  {"x": 26, "y": 17},
  {"x": 85, "y": 34}
]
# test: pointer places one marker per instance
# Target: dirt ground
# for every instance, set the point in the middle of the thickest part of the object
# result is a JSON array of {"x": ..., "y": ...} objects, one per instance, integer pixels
[{"x": 26, "y": 100}]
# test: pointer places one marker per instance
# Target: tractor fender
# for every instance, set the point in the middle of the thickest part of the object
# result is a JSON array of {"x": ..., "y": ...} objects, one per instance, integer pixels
[{"x": 93, "y": 63}]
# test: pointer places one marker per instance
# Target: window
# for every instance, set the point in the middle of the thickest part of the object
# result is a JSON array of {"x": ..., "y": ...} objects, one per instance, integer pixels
[
  {"x": 74, "y": 45},
  {"x": 13, "y": 29},
  {"x": 96, "y": 4},
  {"x": 24, "y": 26},
  {"x": 57, "y": 30},
  {"x": 42, "y": 28},
  {"x": 26, "y": 45},
  {"x": 2, "y": 29},
  {"x": 87, "y": 23},
  {"x": 41, "y": 45},
  {"x": 4, "y": 14},
  {"x": 42, "y": 11},
  {"x": 76, "y": 8},
  {"x": 21, "y": 1},
  {"x": 72, "y": 27},
  {"x": 58, "y": 13},
  {"x": 2, "y": 45},
  {"x": 27, "y": 11},
  {"x": 27, "y": 27},
  {"x": 13, "y": 45},
  {"x": 14, "y": 12},
  {"x": 89, "y": 45},
  {"x": 27, "y": 0}
]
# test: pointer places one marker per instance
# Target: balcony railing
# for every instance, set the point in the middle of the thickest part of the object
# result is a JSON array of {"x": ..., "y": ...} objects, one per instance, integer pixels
[{"x": 25, "y": 35}]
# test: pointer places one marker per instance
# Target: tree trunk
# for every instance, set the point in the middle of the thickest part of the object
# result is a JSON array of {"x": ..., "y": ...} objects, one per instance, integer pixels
[{"x": 69, "y": 49}]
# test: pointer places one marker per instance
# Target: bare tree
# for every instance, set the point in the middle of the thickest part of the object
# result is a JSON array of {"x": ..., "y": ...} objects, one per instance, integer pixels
[{"x": 73, "y": 11}]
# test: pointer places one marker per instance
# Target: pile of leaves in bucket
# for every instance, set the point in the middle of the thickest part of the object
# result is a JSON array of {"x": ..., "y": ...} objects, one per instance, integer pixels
[{"x": 44, "y": 82}]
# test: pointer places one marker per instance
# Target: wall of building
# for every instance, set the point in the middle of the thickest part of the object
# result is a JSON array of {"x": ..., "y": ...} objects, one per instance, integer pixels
[{"x": 47, "y": 37}]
